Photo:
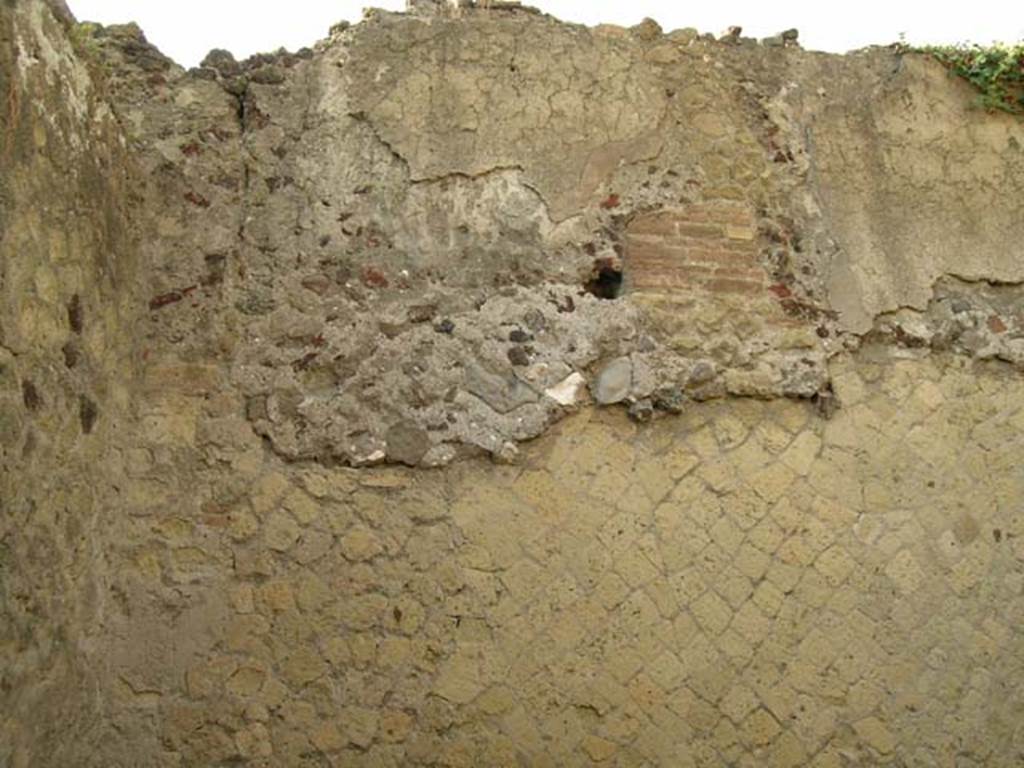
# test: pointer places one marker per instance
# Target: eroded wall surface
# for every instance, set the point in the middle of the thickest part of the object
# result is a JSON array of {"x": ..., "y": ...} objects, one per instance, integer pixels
[
  {"x": 66, "y": 361},
  {"x": 476, "y": 389},
  {"x": 387, "y": 243}
]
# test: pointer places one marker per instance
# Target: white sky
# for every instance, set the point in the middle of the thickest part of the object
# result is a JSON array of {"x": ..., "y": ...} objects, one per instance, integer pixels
[{"x": 187, "y": 29}]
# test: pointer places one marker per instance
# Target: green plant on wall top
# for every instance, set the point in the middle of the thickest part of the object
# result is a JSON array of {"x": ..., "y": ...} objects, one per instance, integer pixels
[
  {"x": 83, "y": 36},
  {"x": 997, "y": 71}
]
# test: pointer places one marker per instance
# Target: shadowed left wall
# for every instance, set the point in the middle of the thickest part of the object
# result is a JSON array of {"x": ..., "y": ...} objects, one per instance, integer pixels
[{"x": 66, "y": 257}]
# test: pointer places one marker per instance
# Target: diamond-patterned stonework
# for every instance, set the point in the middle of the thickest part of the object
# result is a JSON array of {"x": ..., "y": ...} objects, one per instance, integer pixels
[{"x": 746, "y": 584}]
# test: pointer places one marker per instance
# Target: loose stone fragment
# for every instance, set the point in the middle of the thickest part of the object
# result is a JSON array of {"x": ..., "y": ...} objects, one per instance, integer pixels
[
  {"x": 701, "y": 373},
  {"x": 642, "y": 410},
  {"x": 407, "y": 443},
  {"x": 502, "y": 393},
  {"x": 670, "y": 400},
  {"x": 518, "y": 356},
  {"x": 421, "y": 313},
  {"x": 567, "y": 391},
  {"x": 507, "y": 454},
  {"x": 613, "y": 383}
]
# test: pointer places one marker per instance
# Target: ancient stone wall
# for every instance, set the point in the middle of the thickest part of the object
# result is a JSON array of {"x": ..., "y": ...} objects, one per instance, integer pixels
[
  {"x": 67, "y": 357},
  {"x": 476, "y": 389},
  {"x": 744, "y": 584}
]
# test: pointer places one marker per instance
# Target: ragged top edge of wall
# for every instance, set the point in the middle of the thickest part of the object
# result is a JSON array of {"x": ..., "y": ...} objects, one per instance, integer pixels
[
  {"x": 371, "y": 14},
  {"x": 61, "y": 12}
]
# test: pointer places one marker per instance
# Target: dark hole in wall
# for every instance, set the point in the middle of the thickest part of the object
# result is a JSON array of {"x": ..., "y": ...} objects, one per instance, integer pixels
[
  {"x": 71, "y": 354},
  {"x": 88, "y": 413},
  {"x": 606, "y": 281},
  {"x": 216, "y": 265},
  {"x": 76, "y": 314},
  {"x": 30, "y": 395},
  {"x": 825, "y": 402}
]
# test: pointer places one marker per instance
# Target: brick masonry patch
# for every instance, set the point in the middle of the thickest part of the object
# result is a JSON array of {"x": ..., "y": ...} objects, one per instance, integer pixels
[{"x": 709, "y": 247}]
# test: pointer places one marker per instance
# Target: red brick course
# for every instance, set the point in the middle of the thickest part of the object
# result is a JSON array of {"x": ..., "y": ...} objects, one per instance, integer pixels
[{"x": 710, "y": 247}]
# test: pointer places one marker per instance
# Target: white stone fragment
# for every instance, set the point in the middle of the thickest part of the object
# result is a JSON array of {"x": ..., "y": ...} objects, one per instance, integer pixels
[{"x": 567, "y": 391}]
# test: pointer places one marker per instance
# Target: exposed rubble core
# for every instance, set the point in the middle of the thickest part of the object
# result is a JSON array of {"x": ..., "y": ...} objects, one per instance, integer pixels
[
  {"x": 361, "y": 231},
  {"x": 474, "y": 388}
]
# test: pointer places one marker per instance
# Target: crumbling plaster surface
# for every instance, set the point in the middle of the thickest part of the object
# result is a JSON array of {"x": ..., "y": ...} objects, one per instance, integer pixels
[
  {"x": 901, "y": 184},
  {"x": 451, "y": 104},
  {"x": 386, "y": 239}
]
